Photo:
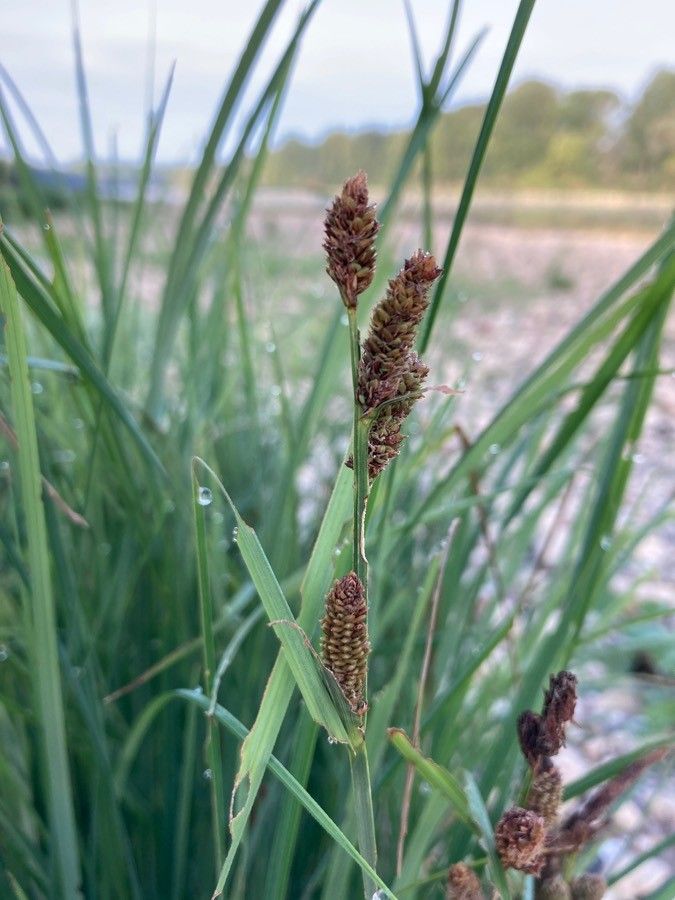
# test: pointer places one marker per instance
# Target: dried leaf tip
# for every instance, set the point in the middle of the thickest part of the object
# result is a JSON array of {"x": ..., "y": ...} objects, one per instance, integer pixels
[
  {"x": 344, "y": 642},
  {"x": 463, "y": 884},
  {"x": 351, "y": 228}
]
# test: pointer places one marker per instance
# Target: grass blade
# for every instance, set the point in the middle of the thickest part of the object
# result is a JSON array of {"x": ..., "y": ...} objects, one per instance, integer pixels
[
  {"x": 492, "y": 111},
  {"x": 43, "y": 642}
]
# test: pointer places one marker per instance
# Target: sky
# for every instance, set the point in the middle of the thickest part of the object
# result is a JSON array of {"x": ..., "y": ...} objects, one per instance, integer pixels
[{"x": 354, "y": 70}]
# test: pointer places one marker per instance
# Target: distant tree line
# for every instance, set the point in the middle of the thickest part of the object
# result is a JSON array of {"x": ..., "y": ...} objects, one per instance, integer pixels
[{"x": 545, "y": 137}]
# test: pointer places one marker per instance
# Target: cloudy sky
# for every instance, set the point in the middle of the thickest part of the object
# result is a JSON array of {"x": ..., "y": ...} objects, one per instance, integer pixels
[{"x": 354, "y": 69}]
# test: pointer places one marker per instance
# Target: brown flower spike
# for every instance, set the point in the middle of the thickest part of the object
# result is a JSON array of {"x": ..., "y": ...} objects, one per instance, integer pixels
[
  {"x": 344, "y": 643},
  {"x": 588, "y": 887},
  {"x": 389, "y": 367},
  {"x": 553, "y": 888},
  {"x": 544, "y": 735},
  {"x": 351, "y": 229},
  {"x": 545, "y": 794},
  {"x": 520, "y": 836},
  {"x": 387, "y": 351},
  {"x": 463, "y": 884}
]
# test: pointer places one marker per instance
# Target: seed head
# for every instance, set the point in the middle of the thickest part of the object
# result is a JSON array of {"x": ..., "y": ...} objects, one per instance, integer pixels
[
  {"x": 559, "y": 703},
  {"x": 545, "y": 794},
  {"x": 463, "y": 884},
  {"x": 385, "y": 437},
  {"x": 520, "y": 836},
  {"x": 386, "y": 356},
  {"x": 588, "y": 887},
  {"x": 351, "y": 229},
  {"x": 554, "y": 888},
  {"x": 544, "y": 735},
  {"x": 344, "y": 642}
]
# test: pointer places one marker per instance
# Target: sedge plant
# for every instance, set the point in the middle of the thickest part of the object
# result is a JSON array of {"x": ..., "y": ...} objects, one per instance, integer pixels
[{"x": 151, "y": 332}]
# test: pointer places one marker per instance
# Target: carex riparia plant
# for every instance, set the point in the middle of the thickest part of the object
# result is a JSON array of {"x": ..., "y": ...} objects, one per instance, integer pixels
[{"x": 387, "y": 379}]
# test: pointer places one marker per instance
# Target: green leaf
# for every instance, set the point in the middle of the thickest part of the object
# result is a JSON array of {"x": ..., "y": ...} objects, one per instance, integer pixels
[
  {"x": 436, "y": 776},
  {"x": 480, "y": 816},
  {"x": 42, "y": 640}
]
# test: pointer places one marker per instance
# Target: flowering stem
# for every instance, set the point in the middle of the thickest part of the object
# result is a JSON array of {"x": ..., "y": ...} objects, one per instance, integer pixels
[
  {"x": 363, "y": 799},
  {"x": 361, "y": 431},
  {"x": 365, "y": 822}
]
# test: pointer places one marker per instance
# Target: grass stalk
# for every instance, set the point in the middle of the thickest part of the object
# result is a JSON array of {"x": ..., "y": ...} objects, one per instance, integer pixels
[
  {"x": 363, "y": 798},
  {"x": 218, "y": 815}
]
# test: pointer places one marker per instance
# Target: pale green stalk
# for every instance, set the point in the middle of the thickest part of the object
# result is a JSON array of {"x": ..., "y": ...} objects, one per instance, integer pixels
[{"x": 363, "y": 797}]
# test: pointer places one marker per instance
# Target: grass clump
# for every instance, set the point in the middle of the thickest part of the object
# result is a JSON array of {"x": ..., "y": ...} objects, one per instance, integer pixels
[{"x": 469, "y": 607}]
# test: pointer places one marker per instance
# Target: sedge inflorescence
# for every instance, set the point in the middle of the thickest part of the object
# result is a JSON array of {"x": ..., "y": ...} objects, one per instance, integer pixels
[
  {"x": 351, "y": 228},
  {"x": 344, "y": 641},
  {"x": 391, "y": 376}
]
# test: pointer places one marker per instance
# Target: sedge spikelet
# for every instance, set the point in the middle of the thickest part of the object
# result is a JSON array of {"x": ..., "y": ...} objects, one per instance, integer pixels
[
  {"x": 519, "y": 837},
  {"x": 553, "y": 888},
  {"x": 344, "y": 642},
  {"x": 463, "y": 884},
  {"x": 588, "y": 887},
  {"x": 545, "y": 794},
  {"x": 351, "y": 229}
]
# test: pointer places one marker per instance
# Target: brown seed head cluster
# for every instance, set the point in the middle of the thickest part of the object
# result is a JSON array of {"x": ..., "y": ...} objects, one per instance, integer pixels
[
  {"x": 545, "y": 794},
  {"x": 463, "y": 884},
  {"x": 387, "y": 350},
  {"x": 351, "y": 229},
  {"x": 520, "y": 836},
  {"x": 385, "y": 437},
  {"x": 544, "y": 735},
  {"x": 553, "y": 888},
  {"x": 389, "y": 367},
  {"x": 344, "y": 642},
  {"x": 588, "y": 887}
]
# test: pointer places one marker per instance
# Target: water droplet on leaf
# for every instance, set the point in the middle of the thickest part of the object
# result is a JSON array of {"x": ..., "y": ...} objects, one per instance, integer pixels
[{"x": 204, "y": 496}]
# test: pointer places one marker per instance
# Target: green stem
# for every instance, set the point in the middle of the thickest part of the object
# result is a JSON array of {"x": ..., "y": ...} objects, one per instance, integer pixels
[
  {"x": 213, "y": 757},
  {"x": 365, "y": 821},
  {"x": 361, "y": 431},
  {"x": 363, "y": 797}
]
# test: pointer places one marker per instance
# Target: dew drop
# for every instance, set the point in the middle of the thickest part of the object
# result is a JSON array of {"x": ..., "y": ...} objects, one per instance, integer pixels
[
  {"x": 331, "y": 739},
  {"x": 204, "y": 496},
  {"x": 494, "y": 449},
  {"x": 270, "y": 346},
  {"x": 235, "y": 534},
  {"x": 208, "y": 774},
  {"x": 344, "y": 319},
  {"x": 275, "y": 390},
  {"x": 4, "y": 466},
  {"x": 4, "y": 653},
  {"x": 46, "y": 227},
  {"x": 638, "y": 458},
  {"x": 476, "y": 356},
  {"x": 36, "y": 387},
  {"x": 605, "y": 542}
]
